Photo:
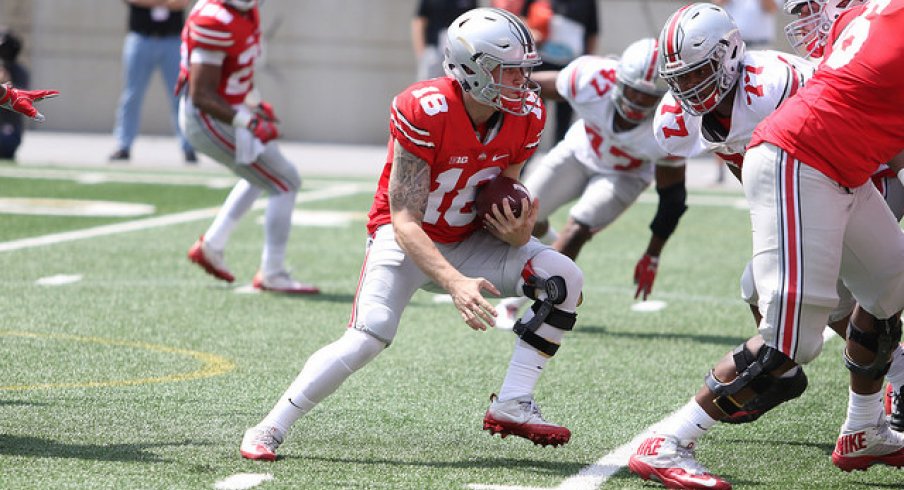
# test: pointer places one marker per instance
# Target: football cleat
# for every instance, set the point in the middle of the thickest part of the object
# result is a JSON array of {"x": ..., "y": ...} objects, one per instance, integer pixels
[
  {"x": 894, "y": 407},
  {"x": 664, "y": 458},
  {"x": 210, "y": 260},
  {"x": 521, "y": 417},
  {"x": 862, "y": 448},
  {"x": 261, "y": 443},
  {"x": 282, "y": 282},
  {"x": 506, "y": 315},
  {"x": 781, "y": 391}
]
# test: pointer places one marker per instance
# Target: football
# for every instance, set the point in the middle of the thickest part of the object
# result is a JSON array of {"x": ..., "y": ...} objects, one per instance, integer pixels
[{"x": 497, "y": 191}]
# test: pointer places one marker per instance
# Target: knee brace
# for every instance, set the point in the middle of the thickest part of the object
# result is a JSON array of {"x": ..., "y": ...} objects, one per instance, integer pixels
[
  {"x": 547, "y": 294},
  {"x": 881, "y": 342},
  {"x": 753, "y": 372}
]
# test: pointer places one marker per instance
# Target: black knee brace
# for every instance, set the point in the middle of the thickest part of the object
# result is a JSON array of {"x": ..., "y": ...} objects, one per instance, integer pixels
[
  {"x": 753, "y": 372},
  {"x": 545, "y": 312},
  {"x": 881, "y": 342}
]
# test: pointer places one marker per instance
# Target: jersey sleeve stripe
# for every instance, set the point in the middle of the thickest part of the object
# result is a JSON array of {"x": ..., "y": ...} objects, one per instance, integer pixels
[
  {"x": 573, "y": 82},
  {"x": 210, "y": 41},
  {"x": 398, "y": 114},
  {"x": 211, "y": 32}
]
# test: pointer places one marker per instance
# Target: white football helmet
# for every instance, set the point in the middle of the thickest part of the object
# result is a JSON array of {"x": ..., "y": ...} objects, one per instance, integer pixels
[
  {"x": 242, "y": 5},
  {"x": 638, "y": 69},
  {"x": 481, "y": 43},
  {"x": 702, "y": 52},
  {"x": 807, "y": 34}
]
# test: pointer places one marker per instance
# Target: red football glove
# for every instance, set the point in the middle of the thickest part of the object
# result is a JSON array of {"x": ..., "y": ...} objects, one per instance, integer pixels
[
  {"x": 22, "y": 101},
  {"x": 265, "y": 110},
  {"x": 645, "y": 274},
  {"x": 262, "y": 128}
]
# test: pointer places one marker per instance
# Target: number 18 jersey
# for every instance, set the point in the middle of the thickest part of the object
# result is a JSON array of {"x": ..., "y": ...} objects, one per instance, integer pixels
[{"x": 429, "y": 120}]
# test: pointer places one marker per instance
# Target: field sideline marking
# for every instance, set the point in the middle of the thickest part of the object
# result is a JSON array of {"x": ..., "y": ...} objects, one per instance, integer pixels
[
  {"x": 212, "y": 364},
  {"x": 593, "y": 476},
  {"x": 169, "y": 219}
]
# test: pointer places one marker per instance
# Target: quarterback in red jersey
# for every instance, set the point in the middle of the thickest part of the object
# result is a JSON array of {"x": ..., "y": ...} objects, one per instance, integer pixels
[
  {"x": 220, "y": 116},
  {"x": 447, "y": 137}
]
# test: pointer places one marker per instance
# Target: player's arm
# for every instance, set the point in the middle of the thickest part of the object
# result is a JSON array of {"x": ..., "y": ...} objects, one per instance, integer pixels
[
  {"x": 547, "y": 81},
  {"x": 672, "y": 192},
  {"x": 409, "y": 188}
]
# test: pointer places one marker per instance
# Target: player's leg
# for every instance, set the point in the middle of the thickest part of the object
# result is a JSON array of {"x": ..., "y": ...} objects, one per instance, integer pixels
[
  {"x": 872, "y": 268},
  {"x": 388, "y": 281},
  {"x": 554, "y": 283},
  {"x": 555, "y": 180}
]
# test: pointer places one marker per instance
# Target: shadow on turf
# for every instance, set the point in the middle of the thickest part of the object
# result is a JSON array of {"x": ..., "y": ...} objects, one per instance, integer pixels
[
  {"x": 660, "y": 335},
  {"x": 538, "y": 466},
  {"x": 29, "y": 446}
]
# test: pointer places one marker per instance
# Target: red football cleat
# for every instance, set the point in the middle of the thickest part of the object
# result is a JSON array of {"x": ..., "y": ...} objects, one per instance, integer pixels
[
  {"x": 282, "y": 282},
  {"x": 664, "y": 458},
  {"x": 210, "y": 260}
]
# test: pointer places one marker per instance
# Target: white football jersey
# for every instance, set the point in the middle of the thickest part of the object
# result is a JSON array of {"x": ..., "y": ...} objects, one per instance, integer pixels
[
  {"x": 588, "y": 84},
  {"x": 768, "y": 78}
]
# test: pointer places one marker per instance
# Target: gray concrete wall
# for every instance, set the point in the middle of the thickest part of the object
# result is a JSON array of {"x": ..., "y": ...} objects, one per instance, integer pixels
[{"x": 331, "y": 67}]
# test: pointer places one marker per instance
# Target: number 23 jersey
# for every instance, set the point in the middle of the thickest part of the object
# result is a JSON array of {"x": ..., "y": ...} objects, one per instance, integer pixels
[{"x": 429, "y": 120}]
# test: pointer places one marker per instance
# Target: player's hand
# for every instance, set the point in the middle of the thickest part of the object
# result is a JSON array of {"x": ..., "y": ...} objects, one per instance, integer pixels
[
  {"x": 645, "y": 274},
  {"x": 22, "y": 101},
  {"x": 263, "y": 129},
  {"x": 265, "y": 110},
  {"x": 475, "y": 310},
  {"x": 515, "y": 231}
]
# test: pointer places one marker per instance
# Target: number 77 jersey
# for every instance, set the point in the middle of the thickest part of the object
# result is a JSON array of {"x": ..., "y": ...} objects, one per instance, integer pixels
[
  {"x": 768, "y": 78},
  {"x": 429, "y": 120}
]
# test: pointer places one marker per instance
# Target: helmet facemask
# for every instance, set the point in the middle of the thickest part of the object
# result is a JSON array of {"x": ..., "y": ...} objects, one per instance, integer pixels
[
  {"x": 638, "y": 87},
  {"x": 519, "y": 99},
  {"x": 701, "y": 86},
  {"x": 634, "y": 104},
  {"x": 807, "y": 34}
]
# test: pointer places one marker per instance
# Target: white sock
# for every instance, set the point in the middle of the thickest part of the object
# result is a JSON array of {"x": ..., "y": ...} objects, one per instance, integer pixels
[
  {"x": 321, "y": 375},
  {"x": 895, "y": 374},
  {"x": 239, "y": 201},
  {"x": 523, "y": 372},
  {"x": 277, "y": 226},
  {"x": 688, "y": 423},
  {"x": 864, "y": 410}
]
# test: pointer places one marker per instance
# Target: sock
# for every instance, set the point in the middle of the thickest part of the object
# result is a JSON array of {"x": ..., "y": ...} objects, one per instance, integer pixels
[
  {"x": 523, "y": 372},
  {"x": 688, "y": 423},
  {"x": 864, "y": 410},
  {"x": 895, "y": 374},
  {"x": 277, "y": 225},
  {"x": 321, "y": 375},
  {"x": 239, "y": 201}
]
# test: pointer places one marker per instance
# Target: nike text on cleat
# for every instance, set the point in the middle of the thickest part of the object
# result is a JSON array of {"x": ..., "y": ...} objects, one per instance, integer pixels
[
  {"x": 894, "y": 407},
  {"x": 664, "y": 458},
  {"x": 210, "y": 260},
  {"x": 282, "y": 282},
  {"x": 781, "y": 391},
  {"x": 859, "y": 449},
  {"x": 261, "y": 443},
  {"x": 521, "y": 417}
]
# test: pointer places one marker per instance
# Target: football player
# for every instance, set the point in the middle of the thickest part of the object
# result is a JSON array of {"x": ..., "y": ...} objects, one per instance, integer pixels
[
  {"x": 607, "y": 158},
  {"x": 219, "y": 115},
  {"x": 814, "y": 214},
  {"x": 448, "y": 136},
  {"x": 808, "y": 34},
  {"x": 23, "y": 101}
]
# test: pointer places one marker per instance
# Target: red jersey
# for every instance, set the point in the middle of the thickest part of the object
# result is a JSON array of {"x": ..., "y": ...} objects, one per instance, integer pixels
[
  {"x": 429, "y": 120},
  {"x": 215, "y": 26},
  {"x": 848, "y": 120}
]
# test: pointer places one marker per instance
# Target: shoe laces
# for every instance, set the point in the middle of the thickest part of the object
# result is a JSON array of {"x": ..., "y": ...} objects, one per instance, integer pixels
[
  {"x": 530, "y": 406},
  {"x": 684, "y": 457},
  {"x": 268, "y": 438}
]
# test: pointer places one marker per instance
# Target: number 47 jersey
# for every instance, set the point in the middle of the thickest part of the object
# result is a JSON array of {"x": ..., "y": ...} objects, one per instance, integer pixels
[
  {"x": 429, "y": 120},
  {"x": 588, "y": 84}
]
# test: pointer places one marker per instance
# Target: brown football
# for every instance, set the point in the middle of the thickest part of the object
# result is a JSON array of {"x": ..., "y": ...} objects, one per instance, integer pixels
[{"x": 497, "y": 191}]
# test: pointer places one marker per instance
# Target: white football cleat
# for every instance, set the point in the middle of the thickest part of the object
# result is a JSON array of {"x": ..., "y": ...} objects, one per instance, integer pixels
[
  {"x": 521, "y": 417},
  {"x": 210, "y": 260},
  {"x": 261, "y": 443},
  {"x": 859, "y": 449},
  {"x": 663, "y": 458},
  {"x": 282, "y": 282}
]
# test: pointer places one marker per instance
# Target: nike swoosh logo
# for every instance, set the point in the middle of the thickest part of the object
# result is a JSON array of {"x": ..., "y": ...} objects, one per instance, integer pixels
[
  {"x": 707, "y": 482},
  {"x": 499, "y": 157}
]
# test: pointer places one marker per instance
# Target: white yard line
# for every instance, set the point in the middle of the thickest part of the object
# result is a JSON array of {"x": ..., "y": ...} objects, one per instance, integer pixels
[
  {"x": 242, "y": 481},
  {"x": 169, "y": 219}
]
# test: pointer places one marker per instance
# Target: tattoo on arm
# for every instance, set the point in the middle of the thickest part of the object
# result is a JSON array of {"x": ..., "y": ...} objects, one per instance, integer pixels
[{"x": 409, "y": 183}]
